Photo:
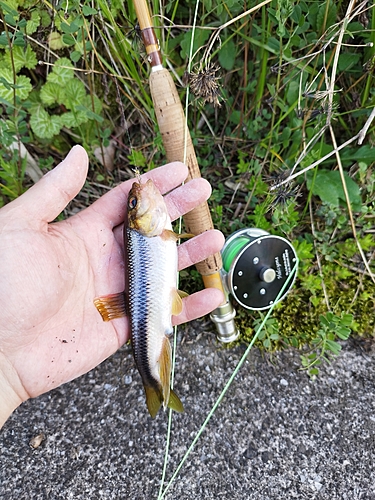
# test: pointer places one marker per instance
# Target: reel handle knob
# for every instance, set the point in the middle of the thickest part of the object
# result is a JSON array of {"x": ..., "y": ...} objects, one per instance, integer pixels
[{"x": 267, "y": 274}]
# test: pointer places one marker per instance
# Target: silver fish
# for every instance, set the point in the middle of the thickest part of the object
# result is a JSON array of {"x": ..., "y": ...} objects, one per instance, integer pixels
[{"x": 152, "y": 297}]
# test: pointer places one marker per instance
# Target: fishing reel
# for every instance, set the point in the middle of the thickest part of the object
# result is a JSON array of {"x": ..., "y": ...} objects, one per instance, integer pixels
[{"x": 258, "y": 271}]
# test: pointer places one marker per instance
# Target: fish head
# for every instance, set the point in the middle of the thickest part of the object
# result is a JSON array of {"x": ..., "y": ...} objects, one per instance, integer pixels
[{"x": 147, "y": 212}]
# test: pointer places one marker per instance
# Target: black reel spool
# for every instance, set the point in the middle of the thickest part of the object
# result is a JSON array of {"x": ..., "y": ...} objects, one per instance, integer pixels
[{"x": 256, "y": 266}]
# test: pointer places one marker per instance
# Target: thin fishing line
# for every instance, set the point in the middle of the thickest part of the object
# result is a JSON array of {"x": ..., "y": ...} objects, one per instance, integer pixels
[
  {"x": 188, "y": 70},
  {"x": 169, "y": 428},
  {"x": 228, "y": 384}
]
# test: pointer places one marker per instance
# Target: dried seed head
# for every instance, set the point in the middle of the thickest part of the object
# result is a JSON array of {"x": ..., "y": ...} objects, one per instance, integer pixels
[
  {"x": 204, "y": 84},
  {"x": 282, "y": 194},
  {"x": 309, "y": 114}
]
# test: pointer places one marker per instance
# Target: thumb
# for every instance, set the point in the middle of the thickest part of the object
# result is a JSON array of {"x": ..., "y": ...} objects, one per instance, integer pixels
[{"x": 47, "y": 198}]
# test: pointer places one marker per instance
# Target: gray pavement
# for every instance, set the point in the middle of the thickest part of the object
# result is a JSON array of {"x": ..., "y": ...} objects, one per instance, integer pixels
[{"x": 276, "y": 434}]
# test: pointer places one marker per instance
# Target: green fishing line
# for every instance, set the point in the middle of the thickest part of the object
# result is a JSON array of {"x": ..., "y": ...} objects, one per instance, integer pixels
[{"x": 227, "y": 385}]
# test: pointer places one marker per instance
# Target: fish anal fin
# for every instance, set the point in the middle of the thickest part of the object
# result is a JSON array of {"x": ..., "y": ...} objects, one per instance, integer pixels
[
  {"x": 176, "y": 303},
  {"x": 154, "y": 400},
  {"x": 174, "y": 402},
  {"x": 165, "y": 366},
  {"x": 111, "y": 306}
]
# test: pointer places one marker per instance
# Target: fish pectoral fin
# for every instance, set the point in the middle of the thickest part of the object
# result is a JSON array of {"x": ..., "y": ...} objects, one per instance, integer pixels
[
  {"x": 154, "y": 400},
  {"x": 176, "y": 302},
  {"x": 111, "y": 306},
  {"x": 174, "y": 402},
  {"x": 185, "y": 236},
  {"x": 168, "y": 234}
]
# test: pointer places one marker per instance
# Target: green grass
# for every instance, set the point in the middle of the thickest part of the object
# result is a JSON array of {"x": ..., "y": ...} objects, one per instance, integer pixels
[{"x": 296, "y": 82}]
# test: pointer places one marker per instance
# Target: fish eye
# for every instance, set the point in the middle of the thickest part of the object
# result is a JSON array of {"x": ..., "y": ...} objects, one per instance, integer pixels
[{"x": 132, "y": 202}]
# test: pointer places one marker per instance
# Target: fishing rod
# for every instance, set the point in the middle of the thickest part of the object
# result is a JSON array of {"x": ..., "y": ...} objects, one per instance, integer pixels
[
  {"x": 259, "y": 268},
  {"x": 179, "y": 147}
]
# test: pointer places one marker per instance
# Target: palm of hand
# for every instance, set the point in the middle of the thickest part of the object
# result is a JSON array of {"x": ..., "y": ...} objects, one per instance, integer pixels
[{"x": 53, "y": 331}]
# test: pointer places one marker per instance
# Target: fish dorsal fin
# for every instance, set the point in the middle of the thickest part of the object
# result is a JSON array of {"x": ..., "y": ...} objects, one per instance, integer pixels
[
  {"x": 176, "y": 303},
  {"x": 165, "y": 364},
  {"x": 153, "y": 400}
]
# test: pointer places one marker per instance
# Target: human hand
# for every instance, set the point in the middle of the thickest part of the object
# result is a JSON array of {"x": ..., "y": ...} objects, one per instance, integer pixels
[{"x": 50, "y": 330}]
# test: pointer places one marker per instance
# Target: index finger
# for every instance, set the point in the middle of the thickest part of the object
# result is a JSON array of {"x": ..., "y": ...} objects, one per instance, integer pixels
[{"x": 112, "y": 205}]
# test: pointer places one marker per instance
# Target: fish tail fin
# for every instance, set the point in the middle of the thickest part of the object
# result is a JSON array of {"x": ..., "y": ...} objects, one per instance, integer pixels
[{"x": 154, "y": 400}]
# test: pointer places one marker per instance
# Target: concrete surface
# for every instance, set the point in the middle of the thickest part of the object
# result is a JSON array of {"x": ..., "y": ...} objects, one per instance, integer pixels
[{"x": 276, "y": 435}]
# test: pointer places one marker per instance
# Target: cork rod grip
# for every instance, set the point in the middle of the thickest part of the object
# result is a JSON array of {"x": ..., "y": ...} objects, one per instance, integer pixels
[{"x": 171, "y": 120}]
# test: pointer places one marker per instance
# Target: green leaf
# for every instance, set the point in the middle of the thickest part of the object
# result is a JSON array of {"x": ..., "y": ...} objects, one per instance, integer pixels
[
  {"x": 328, "y": 187},
  {"x": 347, "y": 319},
  {"x": 23, "y": 58},
  {"x": 343, "y": 332},
  {"x": 267, "y": 343},
  {"x": 75, "y": 93},
  {"x": 292, "y": 92},
  {"x": 76, "y": 55},
  {"x": 346, "y": 61},
  {"x": 73, "y": 27},
  {"x": 74, "y": 119},
  {"x": 200, "y": 38},
  {"x": 68, "y": 40},
  {"x": 33, "y": 23},
  {"x": 18, "y": 40},
  {"x": 22, "y": 87},
  {"x": 62, "y": 72},
  {"x": 4, "y": 40},
  {"x": 363, "y": 154},
  {"x": 327, "y": 14},
  {"x": 55, "y": 40},
  {"x": 90, "y": 114},
  {"x": 51, "y": 93},
  {"x": 227, "y": 55},
  {"x": 44, "y": 125},
  {"x": 88, "y": 11},
  {"x": 10, "y": 6},
  {"x": 10, "y": 19},
  {"x": 333, "y": 346},
  {"x": 262, "y": 334},
  {"x": 324, "y": 320},
  {"x": 313, "y": 372}
]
